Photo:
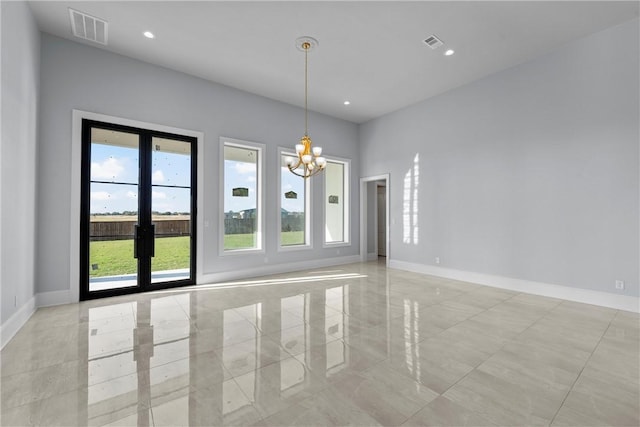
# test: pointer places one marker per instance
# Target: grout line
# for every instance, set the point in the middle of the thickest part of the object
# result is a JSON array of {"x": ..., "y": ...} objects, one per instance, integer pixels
[
  {"x": 503, "y": 345},
  {"x": 582, "y": 369},
  {"x": 153, "y": 423}
]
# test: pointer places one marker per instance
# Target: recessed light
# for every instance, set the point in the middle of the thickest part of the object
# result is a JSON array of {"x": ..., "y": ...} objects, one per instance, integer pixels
[
  {"x": 449, "y": 52},
  {"x": 149, "y": 35},
  {"x": 347, "y": 102}
]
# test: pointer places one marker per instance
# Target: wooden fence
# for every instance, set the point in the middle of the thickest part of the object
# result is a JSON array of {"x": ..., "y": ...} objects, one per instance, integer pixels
[
  {"x": 248, "y": 225},
  {"x": 122, "y": 230}
]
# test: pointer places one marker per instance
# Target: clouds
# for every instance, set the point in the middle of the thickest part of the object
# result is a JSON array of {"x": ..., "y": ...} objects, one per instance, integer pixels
[
  {"x": 245, "y": 168},
  {"x": 158, "y": 195},
  {"x": 157, "y": 177},
  {"x": 107, "y": 198},
  {"x": 100, "y": 195},
  {"x": 109, "y": 168},
  {"x": 119, "y": 168}
]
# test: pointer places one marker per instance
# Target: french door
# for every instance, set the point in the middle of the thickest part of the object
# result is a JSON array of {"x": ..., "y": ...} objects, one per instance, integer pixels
[{"x": 138, "y": 210}]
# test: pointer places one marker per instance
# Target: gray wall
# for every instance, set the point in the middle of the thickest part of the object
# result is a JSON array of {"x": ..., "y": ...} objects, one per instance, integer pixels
[
  {"x": 531, "y": 173},
  {"x": 76, "y": 76},
  {"x": 20, "y": 80}
]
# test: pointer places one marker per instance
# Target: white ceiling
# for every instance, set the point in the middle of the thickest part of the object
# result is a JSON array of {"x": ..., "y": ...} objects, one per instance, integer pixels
[{"x": 370, "y": 53}]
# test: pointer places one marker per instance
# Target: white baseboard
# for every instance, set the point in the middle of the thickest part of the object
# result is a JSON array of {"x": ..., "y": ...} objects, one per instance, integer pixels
[
  {"x": 604, "y": 299},
  {"x": 16, "y": 321},
  {"x": 46, "y": 299},
  {"x": 247, "y": 273}
]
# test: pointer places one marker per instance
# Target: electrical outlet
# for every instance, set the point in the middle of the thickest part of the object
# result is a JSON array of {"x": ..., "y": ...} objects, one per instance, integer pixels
[
  {"x": 620, "y": 284},
  {"x": 437, "y": 260}
]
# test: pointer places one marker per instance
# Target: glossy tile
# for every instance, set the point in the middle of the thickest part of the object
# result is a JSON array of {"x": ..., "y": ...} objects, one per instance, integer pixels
[
  {"x": 398, "y": 392},
  {"x": 585, "y": 409},
  {"x": 380, "y": 405},
  {"x": 31, "y": 357},
  {"x": 24, "y": 415},
  {"x": 224, "y": 404},
  {"x": 443, "y": 412},
  {"x": 502, "y": 402},
  {"x": 326, "y": 408},
  {"x": 437, "y": 375},
  {"x": 28, "y": 387},
  {"x": 250, "y": 355},
  {"x": 549, "y": 352},
  {"x": 350, "y": 345},
  {"x": 529, "y": 372},
  {"x": 278, "y": 386}
]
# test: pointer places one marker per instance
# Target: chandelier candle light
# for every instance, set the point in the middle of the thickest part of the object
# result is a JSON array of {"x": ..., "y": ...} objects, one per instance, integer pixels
[{"x": 309, "y": 161}]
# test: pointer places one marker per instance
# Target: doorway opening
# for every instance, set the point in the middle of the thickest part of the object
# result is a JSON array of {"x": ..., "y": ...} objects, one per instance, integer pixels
[
  {"x": 138, "y": 206},
  {"x": 374, "y": 218}
]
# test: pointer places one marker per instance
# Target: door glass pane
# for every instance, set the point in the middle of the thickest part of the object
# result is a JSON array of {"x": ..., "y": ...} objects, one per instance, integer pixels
[
  {"x": 293, "y": 207},
  {"x": 113, "y": 209},
  {"x": 171, "y": 209}
]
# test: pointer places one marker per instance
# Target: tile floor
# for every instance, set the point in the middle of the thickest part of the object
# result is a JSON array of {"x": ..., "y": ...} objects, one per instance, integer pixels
[{"x": 352, "y": 345}]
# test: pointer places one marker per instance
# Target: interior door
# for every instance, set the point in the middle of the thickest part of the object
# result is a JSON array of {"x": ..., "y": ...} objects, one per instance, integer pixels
[
  {"x": 138, "y": 210},
  {"x": 382, "y": 221}
]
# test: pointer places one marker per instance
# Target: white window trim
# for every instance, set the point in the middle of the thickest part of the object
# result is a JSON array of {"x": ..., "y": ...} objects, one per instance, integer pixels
[
  {"x": 308, "y": 206},
  {"x": 261, "y": 149},
  {"x": 347, "y": 205},
  {"x": 76, "y": 153}
]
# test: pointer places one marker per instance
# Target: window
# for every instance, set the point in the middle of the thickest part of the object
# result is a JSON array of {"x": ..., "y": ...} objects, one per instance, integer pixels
[
  {"x": 336, "y": 202},
  {"x": 242, "y": 219},
  {"x": 294, "y": 207}
]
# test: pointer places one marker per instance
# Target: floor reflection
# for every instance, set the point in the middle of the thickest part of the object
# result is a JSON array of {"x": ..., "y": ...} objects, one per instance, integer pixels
[
  {"x": 366, "y": 346},
  {"x": 196, "y": 357}
]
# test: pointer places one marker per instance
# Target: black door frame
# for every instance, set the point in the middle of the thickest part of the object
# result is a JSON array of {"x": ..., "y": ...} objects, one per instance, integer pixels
[{"x": 145, "y": 250}]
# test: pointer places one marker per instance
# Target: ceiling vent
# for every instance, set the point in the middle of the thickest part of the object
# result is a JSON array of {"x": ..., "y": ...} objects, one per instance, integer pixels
[
  {"x": 88, "y": 27},
  {"x": 433, "y": 42}
]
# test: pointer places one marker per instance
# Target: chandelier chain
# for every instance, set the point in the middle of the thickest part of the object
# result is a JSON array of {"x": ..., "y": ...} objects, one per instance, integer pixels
[
  {"x": 308, "y": 160},
  {"x": 306, "y": 111}
]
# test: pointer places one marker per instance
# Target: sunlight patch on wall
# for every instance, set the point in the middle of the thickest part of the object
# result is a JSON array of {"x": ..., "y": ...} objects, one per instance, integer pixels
[{"x": 410, "y": 203}]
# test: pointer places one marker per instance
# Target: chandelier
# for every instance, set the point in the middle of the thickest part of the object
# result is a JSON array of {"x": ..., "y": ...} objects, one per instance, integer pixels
[{"x": 309, "y": 160}]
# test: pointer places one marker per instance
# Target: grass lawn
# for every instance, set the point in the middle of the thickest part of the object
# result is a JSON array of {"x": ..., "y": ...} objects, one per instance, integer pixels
[
  {"x": 239, "y": 241},
  {"x": 243, "y": 241},
  {"x": 292, "y": 238},
  {"x": 115, "y": 257}
]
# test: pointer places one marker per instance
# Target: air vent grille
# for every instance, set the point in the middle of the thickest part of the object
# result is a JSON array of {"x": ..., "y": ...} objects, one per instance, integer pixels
[
  {"x": 88, "y": 27},
  {"x": 433, "y": 42}
]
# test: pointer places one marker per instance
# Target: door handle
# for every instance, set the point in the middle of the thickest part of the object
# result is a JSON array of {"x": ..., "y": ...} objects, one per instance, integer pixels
[
  {"x": 139, "y": 236},
  {"x": 136, "y": 237},
  {"x": 152, "y": 238}
]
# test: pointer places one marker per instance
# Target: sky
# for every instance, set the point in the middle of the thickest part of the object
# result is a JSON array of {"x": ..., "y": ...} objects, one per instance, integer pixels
[
  {"x": 243, "y": 174},
  {"x": 120, "y": 164}
]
